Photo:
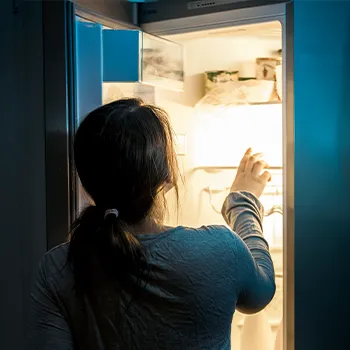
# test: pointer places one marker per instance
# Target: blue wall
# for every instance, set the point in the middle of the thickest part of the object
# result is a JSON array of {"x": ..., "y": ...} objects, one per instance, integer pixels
[{"x": 322, "y": 176}]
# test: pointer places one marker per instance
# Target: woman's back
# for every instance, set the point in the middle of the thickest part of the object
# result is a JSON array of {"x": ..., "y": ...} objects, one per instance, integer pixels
[
  {"x": 124, "y": 280},
  {"x": 187, "y": 302}
]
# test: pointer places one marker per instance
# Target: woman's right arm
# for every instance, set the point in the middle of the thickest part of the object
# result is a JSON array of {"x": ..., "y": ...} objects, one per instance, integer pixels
[
  {"x": 255, "y": 276},
  {"x": 243, "y": 212}
]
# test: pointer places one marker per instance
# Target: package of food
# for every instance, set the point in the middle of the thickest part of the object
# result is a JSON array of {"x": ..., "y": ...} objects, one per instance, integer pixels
[
  {"x": 240, "y": 92},
  {"x": 214, "y": 79},
  {"x": 266, "y": 68}
]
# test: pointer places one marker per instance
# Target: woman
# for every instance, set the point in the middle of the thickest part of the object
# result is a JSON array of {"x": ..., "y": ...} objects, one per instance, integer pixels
[{"x": 126, "y": 281}]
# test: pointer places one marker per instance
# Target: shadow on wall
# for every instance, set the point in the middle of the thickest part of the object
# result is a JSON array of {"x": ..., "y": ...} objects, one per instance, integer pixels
[
  {"x": 322, "y": 148},
  {"x": 344, "y": 118}
]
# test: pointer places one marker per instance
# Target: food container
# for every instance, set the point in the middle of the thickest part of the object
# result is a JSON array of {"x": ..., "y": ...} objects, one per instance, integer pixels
[
  {"x": 213, "y": 79},
  {"x": 247, "y": 70},
  {"x": 240, "y": 92},
  {"x": 266, "y": 68},
  {"x": 257, "y": 91}
]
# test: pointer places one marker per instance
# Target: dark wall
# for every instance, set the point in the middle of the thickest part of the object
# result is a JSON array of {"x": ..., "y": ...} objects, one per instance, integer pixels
[
  {"x": 322, "y": 180},
  {"x": 22, "y": 181},
  {"x": 23, "y": 238}
]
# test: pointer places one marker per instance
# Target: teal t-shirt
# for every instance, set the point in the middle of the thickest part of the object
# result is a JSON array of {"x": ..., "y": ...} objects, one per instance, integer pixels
[{"x": 199, "y": 277}]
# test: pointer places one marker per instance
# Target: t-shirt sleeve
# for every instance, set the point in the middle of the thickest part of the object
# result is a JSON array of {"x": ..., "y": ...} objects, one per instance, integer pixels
[
  {"x": 255, "y": 278},
  {"x": 47, "y": 327}
]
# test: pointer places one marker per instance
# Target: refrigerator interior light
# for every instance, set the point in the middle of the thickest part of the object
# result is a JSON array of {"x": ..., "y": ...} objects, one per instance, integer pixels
[{"x": 225, "y": 133}]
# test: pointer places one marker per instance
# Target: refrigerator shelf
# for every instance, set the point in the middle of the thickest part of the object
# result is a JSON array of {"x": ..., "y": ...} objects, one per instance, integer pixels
[{"x": 224, "y": 167}]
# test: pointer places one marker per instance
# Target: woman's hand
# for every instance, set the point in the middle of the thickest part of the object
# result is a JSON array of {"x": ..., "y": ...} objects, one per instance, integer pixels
[{"x": 249, "y": 175}]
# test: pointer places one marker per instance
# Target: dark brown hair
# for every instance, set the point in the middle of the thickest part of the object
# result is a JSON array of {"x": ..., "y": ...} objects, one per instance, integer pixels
[{"x": 124, "y": 155}]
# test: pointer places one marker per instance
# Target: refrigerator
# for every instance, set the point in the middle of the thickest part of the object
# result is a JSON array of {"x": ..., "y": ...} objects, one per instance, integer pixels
[{"x": 225, "y": 72}]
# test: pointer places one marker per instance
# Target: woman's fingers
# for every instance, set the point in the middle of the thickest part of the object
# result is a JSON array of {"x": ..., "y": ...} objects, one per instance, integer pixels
[
  {"x": 259, "y": 166},
  {"x": 266, "y": 177},
  {"x": 251, "y": 176},
  {"x": 252, "y": 160},
  {"x": 244, "y": 160}
]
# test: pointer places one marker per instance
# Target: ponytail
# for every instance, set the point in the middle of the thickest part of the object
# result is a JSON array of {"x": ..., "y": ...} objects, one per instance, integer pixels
[
  {"x": 99, "y": 241},
  {"x": 124, "y": 154}
]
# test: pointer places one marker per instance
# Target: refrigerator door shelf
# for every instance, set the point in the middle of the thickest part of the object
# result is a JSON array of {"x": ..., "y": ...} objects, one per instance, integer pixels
[{"x": 132, "y": 56}]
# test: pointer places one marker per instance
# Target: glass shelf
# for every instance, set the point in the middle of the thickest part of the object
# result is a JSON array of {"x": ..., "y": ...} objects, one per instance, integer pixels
[{"x": 227, "y": 167}]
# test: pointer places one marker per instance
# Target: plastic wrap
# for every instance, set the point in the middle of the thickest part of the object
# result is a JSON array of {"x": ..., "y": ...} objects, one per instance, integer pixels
[{"x": 239, "y": 92}]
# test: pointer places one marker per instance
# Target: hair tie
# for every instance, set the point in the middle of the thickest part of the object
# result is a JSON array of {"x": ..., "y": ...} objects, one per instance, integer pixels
[{"x": 114, "y": 212}]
